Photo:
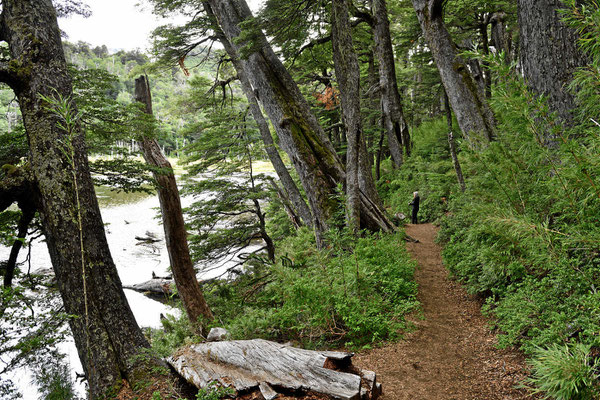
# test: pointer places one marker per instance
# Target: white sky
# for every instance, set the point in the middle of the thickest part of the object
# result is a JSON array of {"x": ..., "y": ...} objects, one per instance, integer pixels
[{"x": 118, "y": 24}]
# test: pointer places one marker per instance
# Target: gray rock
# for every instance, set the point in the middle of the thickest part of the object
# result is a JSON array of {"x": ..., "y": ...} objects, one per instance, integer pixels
[{"x": 217, "y": 335}]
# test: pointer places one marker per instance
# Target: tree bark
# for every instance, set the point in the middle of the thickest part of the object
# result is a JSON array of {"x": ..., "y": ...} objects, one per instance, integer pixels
[
  {"x": 348, "y": 76},
  {"x": 22, "y": 227},
  {"x": 292, "y": 191},
  {"x": 549, "y": 54},
  {"x": 396, "y": 126},
  {"x": 474, "y": 116},
  {"x": 500, "y": 37},
  {"x": 258, "y": 365},
  {"x": 172, "y": 216},
  {"x": 18, "y": 187},
  {"x": 299, "y": 132},
  {"x": 106, "y": 334}
]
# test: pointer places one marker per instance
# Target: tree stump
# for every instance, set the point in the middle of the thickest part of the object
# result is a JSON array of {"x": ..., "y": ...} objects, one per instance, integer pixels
[{"x": 273, "y": 369}]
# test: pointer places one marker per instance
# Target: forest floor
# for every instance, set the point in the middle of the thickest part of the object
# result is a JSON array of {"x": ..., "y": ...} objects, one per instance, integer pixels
[{"x": 452, "y": 354}]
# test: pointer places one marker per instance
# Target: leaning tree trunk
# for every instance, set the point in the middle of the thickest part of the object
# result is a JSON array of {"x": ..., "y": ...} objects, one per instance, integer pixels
[
  {"x": 396, "y": 126},
  {"x": 549, "y": 55},
  {"x": 291, "y": 190},
  {"x": 474, "y": 115},
  {"x": 299, "y": 132},
  {"x": 172, "y": 216},
  {"x": 106, "y": 334},
  {"x": 348, "y": 77}
]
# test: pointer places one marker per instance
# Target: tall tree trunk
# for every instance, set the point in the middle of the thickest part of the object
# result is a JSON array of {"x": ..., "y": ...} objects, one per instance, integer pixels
[
  {"x": 452, "y": 146},
  {"x": 500, "y": 37},
  {"x": 348, "y": 77},
  {"x": 485, "y": 44},
  {"x": 474, "y": 116},
  {"x": 292, "y": 191},
  {"x": 106, "y": 334},
  {"x": 172, "y": 216},
  {"x": 396, "y": 126},
  {"x": 299, "y": 132},
  {"x": 549, "y": 54}
]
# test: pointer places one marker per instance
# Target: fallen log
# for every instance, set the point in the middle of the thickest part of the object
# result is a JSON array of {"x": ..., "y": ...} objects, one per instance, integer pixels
[
  {"x": 250, "y": 366},
  {"x": 156, "y": 288}
]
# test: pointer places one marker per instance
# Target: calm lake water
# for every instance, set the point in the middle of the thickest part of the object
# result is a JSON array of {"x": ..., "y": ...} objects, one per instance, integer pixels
[{"x": 125, "y": 217}]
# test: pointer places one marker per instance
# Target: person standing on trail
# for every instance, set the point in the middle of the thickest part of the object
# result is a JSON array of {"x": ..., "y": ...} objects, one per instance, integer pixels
[{"x": 415, "y": 207}]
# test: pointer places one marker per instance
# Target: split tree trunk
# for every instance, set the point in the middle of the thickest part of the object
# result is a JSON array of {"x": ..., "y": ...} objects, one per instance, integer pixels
[
  {"x": 474, "y": 115},
  {"x": 18, "y": 187},
  {"x": 395, "y": 123},
  {"x": 348, "y": 77},
  {"x": 106, "y": 334},
  {"x": 172, "y": 216}
]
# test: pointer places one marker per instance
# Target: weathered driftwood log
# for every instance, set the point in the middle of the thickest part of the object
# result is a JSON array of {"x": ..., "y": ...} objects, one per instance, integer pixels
[
  {"x": 156, "y": 288},
  {"x": 258, "y": 365}
]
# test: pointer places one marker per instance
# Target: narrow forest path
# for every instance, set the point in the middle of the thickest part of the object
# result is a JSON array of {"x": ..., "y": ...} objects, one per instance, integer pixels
[{"x": 451, "y": 355}]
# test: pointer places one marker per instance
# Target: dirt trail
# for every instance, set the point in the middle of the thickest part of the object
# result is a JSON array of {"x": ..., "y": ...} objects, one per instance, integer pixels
[{"x": 452, "y": 354}]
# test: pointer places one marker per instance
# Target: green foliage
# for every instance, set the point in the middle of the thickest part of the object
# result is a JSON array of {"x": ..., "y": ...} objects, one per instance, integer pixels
[
  {"x": 565, "y": 372},
  {"x": 214, "y": 392},
  {"x": 175, "y": 332},
  {"x": 228, "y": 215},
  {"x": 526, "y": 234},
  {"x": 32, "y": 324},
  {"x": 429, "y": 171},
  {"x": 54, "y": 382},
  {"x": 355, "y": 293},
  {"x": 584, "y": 17}
]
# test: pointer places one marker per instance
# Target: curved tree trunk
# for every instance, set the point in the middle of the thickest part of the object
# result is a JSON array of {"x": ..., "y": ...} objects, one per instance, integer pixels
[
  {"x": 106, "y": 334},
  {"x": 474, "y": 116},
  {"x": 172, "y": 216},
  {"x": 348, "y": 77},
  {"x": 549, "y": 54},
  {"x": 18, "y": 187}
]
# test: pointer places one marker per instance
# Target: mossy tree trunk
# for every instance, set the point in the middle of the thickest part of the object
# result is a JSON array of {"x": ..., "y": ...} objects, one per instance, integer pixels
[
  {"x": 395, "y": 123},
  {"x": 172, "y": 216},
  {"x": 549, "y": 55},
  {"x": 474, "y": 115},
  {"x": 106, "y": 334},
  {"x": 348, "y": 76},
  {"x": 501, "y": 39},
  {"x": 299, "y": 132},
  {"x": 289, "y": 186}
]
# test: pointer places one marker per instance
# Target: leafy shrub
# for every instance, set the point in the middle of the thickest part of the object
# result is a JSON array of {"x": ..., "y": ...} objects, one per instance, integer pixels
[
  {"x": 565, "y": 372},
  {"x": 214, "y": 392},
  {"x": 352, "y": 293},
  {"x": 429, "y": 171},
  {"x": 526, "y": 234}
]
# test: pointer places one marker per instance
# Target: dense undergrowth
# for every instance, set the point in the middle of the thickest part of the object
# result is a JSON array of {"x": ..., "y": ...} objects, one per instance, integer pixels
[
  {"x": 354, "y": 293},
  {"x": 525, "y": 236}
]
